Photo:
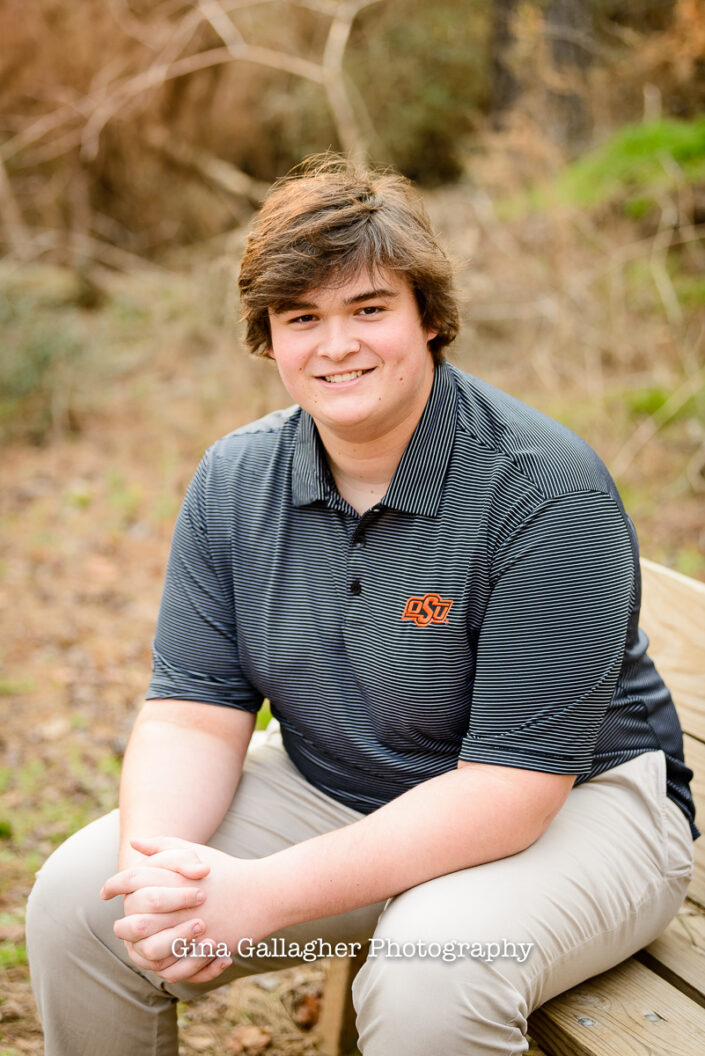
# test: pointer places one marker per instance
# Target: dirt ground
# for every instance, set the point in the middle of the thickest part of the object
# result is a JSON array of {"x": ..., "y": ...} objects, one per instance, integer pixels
[{"x": 87, "y": 516}]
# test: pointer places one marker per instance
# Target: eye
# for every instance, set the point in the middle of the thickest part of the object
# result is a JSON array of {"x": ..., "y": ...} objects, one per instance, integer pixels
[
  {"x": 306, "y": 318},
  {"x": 371, "y": 310}
]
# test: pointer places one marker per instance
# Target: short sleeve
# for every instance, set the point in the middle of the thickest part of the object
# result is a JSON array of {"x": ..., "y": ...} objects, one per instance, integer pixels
[
  {"x": 195, "y": 653},
  {"x": 552, "y": 641}
]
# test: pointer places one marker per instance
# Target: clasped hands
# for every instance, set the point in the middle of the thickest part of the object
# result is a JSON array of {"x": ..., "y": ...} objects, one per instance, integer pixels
[{"x": 187, "y": 895}]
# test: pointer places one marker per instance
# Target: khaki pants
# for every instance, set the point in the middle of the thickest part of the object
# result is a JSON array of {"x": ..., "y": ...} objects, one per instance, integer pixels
[{"x": 448, "y": 970}]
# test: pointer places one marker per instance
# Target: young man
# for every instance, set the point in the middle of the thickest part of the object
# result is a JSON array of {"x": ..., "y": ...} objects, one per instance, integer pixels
[{"x": 437, "y": 588}]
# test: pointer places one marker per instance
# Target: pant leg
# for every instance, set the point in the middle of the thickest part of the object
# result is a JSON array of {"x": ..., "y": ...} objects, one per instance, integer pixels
[
  {"x": 92, "y": 1000},
  {"x": 602, "y": 882}
]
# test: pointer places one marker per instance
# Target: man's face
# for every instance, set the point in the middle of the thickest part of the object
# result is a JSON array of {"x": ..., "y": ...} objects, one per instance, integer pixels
[{"x": 356, "y": 356}]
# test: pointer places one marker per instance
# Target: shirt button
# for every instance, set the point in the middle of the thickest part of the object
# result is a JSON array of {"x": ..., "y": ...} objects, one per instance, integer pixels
[{"x": 356, "y": 587}]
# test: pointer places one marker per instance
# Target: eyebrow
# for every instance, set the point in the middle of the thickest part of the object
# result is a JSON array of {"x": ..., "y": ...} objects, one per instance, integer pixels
[
  {"x": 371, "y": 295},
  {"x": 366, "y": 295}
]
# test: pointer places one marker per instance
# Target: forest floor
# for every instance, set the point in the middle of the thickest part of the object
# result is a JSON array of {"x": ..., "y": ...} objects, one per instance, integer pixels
[{"x": 159, "y": 374}]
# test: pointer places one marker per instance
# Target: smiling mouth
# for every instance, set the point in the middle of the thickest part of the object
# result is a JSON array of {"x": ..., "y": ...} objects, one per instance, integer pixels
[{"x": 349, "y": 375}]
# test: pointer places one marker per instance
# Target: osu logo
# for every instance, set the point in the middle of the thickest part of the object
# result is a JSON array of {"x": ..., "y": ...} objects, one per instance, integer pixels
[{"x": 431, "y": 608}]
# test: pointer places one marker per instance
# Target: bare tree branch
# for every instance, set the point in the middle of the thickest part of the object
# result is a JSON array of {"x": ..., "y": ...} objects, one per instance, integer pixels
[
  {"x": 157, "y": 75},
  {"x": 323, "y": 7},
  {"x": 351, "y": 138},
  {"x": 662, "y": 280},
  {"x": 147, "y": 33},
  {"x": 224, "y": 27},
  {"x": 620, "y": 255},
  {"x": 39, "y": 128},
  {"x": 648, "y": 429},
  {"x": 44, "y": 240},
  {"x": 94, "y": 110},
  {"x": 220, "y": 172},
  {"x": 695, "y": 470},
  {"x": 15, "y": 229},
  {"x": 81, "y": 120}
]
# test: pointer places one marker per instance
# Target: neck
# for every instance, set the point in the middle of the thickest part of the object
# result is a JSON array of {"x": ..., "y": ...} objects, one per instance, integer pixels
[
  {"x": 363, "y": 477},
  {"x": 363, "y": 466}
]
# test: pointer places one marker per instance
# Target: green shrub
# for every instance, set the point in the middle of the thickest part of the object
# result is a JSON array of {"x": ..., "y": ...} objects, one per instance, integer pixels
[
  {"x": 40, "y": 365},
  {"x": 12, "y": 954},
  {"x": 652, "y": 156}
]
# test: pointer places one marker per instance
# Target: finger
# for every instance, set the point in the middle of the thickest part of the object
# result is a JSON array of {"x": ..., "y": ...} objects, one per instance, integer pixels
[
  {"x": 144, "y": 964},
  {"x": 154, "y": 844},
  {"x": 185, "y": 862},
  {"x": 129, "y": 880},
  {"x": 163, "y": 900},
  {"x": 211, "y": 971},
  {"x": 139, "y": 926},
  {"x": 177, "y": 942},
  {"x": 191, "y": 968}
]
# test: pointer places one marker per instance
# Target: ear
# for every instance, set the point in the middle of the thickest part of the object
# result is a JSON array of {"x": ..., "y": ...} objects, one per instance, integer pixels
[{"x": 270, "y": 352}]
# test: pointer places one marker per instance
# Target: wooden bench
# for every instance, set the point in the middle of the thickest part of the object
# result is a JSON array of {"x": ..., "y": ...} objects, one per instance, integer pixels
[{"x": 654, "y": 1003}]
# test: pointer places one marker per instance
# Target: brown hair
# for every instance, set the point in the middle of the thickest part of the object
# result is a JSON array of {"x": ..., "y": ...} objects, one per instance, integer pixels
[{"x": 330, "y": 220}]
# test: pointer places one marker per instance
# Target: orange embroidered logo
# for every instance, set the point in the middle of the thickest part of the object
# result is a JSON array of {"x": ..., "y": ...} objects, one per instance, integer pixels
[{"x": 431, "y": 608}]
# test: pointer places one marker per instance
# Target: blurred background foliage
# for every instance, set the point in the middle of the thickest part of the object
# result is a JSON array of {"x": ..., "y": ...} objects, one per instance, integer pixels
[
  {"x": 560, "y": 145},
  {"x": 153, "y": 123}
]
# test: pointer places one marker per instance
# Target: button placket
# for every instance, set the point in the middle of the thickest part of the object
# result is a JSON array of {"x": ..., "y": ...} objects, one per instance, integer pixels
[
  {"x": 355, "y": 549},
  {"x": 355, "y": 555}
]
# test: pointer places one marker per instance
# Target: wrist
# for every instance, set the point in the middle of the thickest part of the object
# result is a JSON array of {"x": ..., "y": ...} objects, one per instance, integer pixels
[
  {"x": 286, "y": 889},
  {"x": 263, "y": 911},
  {"x": 128, "y": 856}
]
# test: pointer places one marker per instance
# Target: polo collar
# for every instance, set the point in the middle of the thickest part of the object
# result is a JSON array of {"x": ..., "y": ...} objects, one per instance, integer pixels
[
  {"x": 418, "y": 480},
  {"x": 311, "y": 478}
]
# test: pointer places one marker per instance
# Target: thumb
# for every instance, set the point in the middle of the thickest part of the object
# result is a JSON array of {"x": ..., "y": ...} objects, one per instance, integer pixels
[
  {"x": 172, "y": 853},
  {"x": 153, "y": 844}
]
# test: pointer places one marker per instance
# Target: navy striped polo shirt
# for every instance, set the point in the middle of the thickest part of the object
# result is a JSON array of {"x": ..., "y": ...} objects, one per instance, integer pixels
[{"x": 485, "y": 609}]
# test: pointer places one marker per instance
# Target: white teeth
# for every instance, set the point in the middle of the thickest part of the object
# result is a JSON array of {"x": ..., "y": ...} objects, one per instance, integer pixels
[{"x": 350, "y": 376}]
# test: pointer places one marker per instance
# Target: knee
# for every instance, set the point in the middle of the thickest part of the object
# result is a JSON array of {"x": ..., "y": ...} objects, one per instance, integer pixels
[
  {"x": 420, "y": 1004},
  {"x": 65, "y": 900}
]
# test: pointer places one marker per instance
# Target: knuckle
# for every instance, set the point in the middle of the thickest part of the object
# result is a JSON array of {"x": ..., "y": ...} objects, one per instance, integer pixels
[
  {"x": 154, "y": 901},
  {"x": 150, "y": 950}
]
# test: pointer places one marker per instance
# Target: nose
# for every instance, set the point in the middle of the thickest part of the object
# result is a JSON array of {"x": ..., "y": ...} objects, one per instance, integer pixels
[{"x": 337, "y": 342}]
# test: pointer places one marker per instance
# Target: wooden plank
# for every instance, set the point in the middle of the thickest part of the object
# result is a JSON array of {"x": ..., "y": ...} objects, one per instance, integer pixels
[
  {"x": 692, "y": 716},
  {"x": 628, "y": 1011},
  {"x": 534, "y": 1050},
  {"x": 679, "y": 954},
  {"x": 694, "y": 752},
  {"x": 673, "y": 616},
  {"x": 674, "y": 582},
  {"x": 336, "y": 1027}
]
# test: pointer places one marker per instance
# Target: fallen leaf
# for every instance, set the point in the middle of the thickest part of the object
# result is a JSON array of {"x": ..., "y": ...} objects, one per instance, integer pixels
[
  {"x": 54, "y": 728},
  {"x": 249, "y": 1039},
  {"x": 307, "y": 1011},
  {"x": 199, "y": 1042},
  {"x": 267, "y": 982},
  {"x": 10, "y": 1010}
]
